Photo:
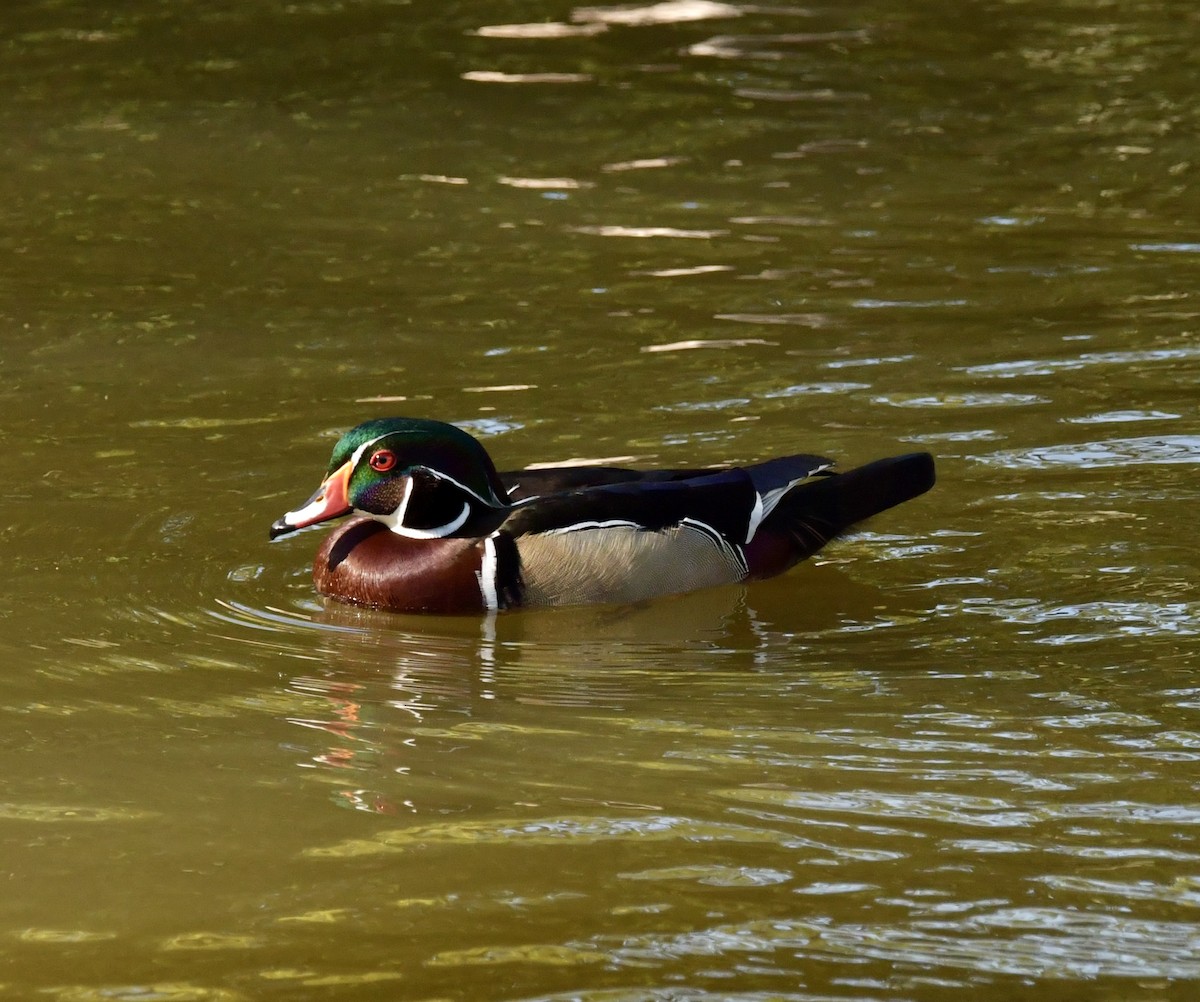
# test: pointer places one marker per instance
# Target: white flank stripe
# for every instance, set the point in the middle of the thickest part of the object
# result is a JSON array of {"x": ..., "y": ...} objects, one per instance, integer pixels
[
  {"x": 488, "y": 570},
  {"x": 732, "y": 552}
]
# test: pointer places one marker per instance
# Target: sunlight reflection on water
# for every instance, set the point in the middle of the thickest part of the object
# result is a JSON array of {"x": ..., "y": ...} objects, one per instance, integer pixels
[{"x": 1115, "y": 452}]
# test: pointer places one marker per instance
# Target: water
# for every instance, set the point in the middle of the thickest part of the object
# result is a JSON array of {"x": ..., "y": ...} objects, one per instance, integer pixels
[{"x": 955, "y": 754}]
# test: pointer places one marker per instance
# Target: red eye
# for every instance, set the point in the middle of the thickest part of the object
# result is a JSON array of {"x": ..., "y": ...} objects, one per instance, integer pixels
[{"x": 382, "y": 461}]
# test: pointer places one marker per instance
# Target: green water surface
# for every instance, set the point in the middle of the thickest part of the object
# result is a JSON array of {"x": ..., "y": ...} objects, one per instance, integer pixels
[{"x": 954, "y": 757}]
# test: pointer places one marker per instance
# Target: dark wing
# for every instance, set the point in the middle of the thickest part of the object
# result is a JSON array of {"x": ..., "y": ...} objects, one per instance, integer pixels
[
  {"x": 724, "y": 501},
  {"x": 525, "y": 484},
  {"x": 733, "y": 501}
]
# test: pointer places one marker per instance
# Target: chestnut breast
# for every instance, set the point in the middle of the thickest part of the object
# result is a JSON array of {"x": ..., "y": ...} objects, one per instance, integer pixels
[{"x": 367, "y": 564}]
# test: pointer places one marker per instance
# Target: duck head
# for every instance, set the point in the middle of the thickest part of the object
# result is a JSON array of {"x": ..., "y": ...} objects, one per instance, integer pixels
[{"x": 422, "y": 479}]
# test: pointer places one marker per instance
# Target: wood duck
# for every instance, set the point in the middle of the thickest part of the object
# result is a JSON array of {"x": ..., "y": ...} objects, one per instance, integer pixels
[{"x": 439, "y": 530}]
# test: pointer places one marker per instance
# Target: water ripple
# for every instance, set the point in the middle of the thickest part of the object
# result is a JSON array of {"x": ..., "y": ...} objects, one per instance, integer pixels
[
  {"x": 1050, "y": 366},
  {"x": 1122, "y": 417},
  {"x": 1184, "y": 891},
  {"x": 769, "y": 47},
  {"x": 1033, "y": 942},
  {"x": 714, "y": 875},
  {"x": 1023, "y": 942},
  {"x": 957, "y": 401},
  {"x": 1129, "y": 618},
  {"x": 1113, "y": 452},
  {"x": 575, "y": 830},
  {"x": 988, "y": 812}
]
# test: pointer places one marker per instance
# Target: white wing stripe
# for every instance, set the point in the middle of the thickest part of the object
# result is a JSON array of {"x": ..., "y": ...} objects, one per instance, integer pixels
[
  {"x": 613, "y": 523},
  {"x": 766, "y": 503}
]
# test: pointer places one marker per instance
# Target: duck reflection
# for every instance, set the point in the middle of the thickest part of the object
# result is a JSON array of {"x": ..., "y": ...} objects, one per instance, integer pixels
[
  {"x": 594, "y": 655},
  {"x": 423, "y": 710}
]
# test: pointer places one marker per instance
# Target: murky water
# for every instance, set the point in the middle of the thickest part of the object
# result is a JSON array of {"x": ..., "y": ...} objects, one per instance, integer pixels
[{"x": 957, "y": 754}]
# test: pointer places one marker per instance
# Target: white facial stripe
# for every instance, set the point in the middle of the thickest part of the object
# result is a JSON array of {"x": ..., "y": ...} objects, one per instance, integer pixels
[
  {"x": 357, "y": 454},
  {"x": 462, "y": 487}
]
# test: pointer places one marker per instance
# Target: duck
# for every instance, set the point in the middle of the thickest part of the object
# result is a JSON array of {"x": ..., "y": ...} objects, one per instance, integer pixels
[{"x": 435, "y": 528}]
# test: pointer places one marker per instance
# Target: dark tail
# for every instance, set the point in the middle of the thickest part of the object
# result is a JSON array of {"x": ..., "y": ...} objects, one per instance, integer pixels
[
  {"x": 816, "y": 512},
  {"x": 846, "y": 498}
]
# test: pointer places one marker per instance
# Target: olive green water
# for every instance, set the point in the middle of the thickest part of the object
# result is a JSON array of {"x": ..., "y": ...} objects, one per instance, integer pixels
[{"x": 955, "y": 757}]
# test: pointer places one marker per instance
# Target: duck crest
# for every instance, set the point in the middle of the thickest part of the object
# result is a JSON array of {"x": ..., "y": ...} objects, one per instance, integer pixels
[{"x": 437, "y": 529}]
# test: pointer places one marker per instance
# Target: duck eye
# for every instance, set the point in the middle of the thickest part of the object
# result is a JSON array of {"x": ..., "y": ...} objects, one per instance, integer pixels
[{"x": 382, "y": 461}]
